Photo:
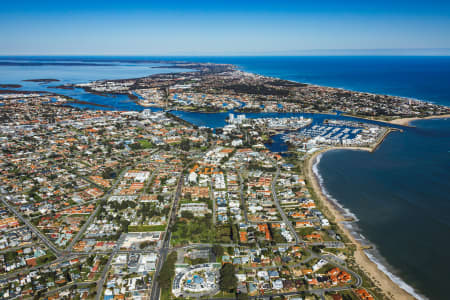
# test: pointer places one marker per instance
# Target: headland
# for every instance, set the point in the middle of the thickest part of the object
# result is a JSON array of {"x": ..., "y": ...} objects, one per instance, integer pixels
[{"x": 407, "y": 121}]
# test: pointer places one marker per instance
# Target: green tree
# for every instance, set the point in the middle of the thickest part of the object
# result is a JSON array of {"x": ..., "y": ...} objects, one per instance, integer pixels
[
  {"x": 228, "y": 280},
  {"x": 124, "y": 224},
  {"x": 135, "y": 146},
  {"x": 187, "y": 215},
  {"x": 167, "y": 271},
  {"x": 217, "y": 250},
  {"x": 185, "y": 145},
  {"x": 108, "y": 173}
]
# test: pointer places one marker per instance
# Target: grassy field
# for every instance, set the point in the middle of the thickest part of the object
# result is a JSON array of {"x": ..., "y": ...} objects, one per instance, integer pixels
[
  {"x": 165, "y": 294},
  {"x": 146, "y": 228},
  {"x": 222, "y": 295},
  {"x": 197, "y": 230},
  {"x": 145, "y": 144}
]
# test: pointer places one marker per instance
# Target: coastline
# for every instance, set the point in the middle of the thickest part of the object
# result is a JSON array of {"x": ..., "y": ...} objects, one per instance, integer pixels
[
  {"x": 407, "y": 121},
  {"x": 321, "y": 193},
  {"x": 379, "y": 277}
]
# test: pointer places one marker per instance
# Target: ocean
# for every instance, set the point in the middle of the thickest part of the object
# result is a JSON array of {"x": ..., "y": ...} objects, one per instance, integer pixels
[
  {"x": 399, "y": 193},
  {"x": 425, "y": 78}
]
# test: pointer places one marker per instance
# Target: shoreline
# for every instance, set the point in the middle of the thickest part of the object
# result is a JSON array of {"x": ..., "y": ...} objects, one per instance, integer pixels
[
  {"x": 407, "y": 121},
  {"x": 379, "y": 277}
]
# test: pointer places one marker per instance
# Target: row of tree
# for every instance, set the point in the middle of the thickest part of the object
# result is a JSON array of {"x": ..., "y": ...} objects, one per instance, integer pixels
[{"x": 167, "y": 271}]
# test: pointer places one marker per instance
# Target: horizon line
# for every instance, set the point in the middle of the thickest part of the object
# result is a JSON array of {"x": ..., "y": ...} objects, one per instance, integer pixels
[{"x": 308, "y": 52}]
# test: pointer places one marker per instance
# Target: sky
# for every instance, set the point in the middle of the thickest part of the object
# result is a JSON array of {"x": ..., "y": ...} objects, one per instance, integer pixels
[{"x": 217, "y": 27}]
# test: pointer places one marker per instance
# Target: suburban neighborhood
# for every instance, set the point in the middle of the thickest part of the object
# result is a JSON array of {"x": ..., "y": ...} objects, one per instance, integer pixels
[{"x": 139, "y": 205}]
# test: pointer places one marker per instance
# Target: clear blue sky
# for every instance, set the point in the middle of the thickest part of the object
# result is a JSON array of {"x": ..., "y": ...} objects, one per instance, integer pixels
[{"x": 218, "y": 27}]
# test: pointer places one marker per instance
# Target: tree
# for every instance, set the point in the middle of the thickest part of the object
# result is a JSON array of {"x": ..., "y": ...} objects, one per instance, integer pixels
[
  {"x": 144, "y": 244},
  {"x": 187, "y": 214},
  {"x": 318, "y": 249},
  {"x": 228, "y": 280},
  {"x": 135, "y": 146},
  {"x": 235, "y": 233},
  {"x": 108, "y": 173},
  {"x": 90, "y": 260},
  {"x": 217, "y": 250},
  {"x": 124, "y": 224},
  {"x": 167, "y": 271},
  {"x": 185, "y": 145}
]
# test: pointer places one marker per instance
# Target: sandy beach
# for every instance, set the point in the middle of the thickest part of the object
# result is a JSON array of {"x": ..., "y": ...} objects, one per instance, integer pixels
[
  {"x": 406, "y": 121},
  {"x": 390, "y": 288}
]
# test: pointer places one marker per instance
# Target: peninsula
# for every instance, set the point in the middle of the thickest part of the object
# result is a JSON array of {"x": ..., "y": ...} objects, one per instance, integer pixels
[{"x": 215, "y": 87}]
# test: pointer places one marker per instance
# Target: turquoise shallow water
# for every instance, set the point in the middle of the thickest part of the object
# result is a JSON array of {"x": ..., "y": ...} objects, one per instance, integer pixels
[{"x": 400, "y": 193}]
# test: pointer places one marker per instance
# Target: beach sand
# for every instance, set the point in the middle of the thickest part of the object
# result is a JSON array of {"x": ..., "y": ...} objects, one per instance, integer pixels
[
  {"x": 379, "y": 278},
  {"x": 406, "y": 121}
]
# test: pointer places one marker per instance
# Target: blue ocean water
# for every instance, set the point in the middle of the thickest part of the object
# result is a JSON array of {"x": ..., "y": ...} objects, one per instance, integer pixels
[
  {"x": 400, "y": 193},
  {"x": 422, "y": 77}
]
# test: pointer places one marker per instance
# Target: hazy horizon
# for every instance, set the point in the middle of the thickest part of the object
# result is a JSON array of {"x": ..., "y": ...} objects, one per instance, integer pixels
[{"x": 312, "y": 52}]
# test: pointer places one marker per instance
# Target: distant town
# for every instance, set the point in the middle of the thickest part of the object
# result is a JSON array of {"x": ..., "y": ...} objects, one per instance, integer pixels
[
  {"x": 99, "y": 204},
  {"x": 220, "y": 87}
]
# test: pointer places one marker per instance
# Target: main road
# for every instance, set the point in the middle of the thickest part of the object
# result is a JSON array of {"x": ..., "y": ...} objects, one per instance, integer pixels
[
  {"x": 241, "y": 193},
  {"x": 97, "y": 209},
  {"x": 281, "y": 211},
  {"x": 102, "y": 279},
  {"x": 164, "y": 250},
  {"x": 32, "y": 228},
  {"x": 106, "y": 196}
]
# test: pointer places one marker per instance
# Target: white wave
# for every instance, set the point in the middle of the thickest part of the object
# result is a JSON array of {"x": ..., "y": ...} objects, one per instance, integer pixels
[
  {"x": 346, "y": 211},
  {"x": 354, "y": 230},
  {"x": 397, "y": 280}
]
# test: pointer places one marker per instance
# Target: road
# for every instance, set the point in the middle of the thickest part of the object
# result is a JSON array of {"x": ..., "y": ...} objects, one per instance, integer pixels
[
  {"x": 301, "y": 242},
  {"x": 302, "y": 263},
  {"x": 97, "y": 209},
  {"x": 281, "y": 211},
  {"x": 102, "y": 279},
  {"x": 32, "y": 228},
  {"x": 211, "y": 196},
  {"x": 330, "y": 244},
  {"x": 165, "y": 247},
  {"x": 16, "y": 248},
  {"x": 204, "y": 245},
  {"x": 106, "y": 196},
  {"x": 68, "y": 286},
  {"x": 68, "y": 254},
  {"x": 28, "y": 269},
  {"x": 147, "y": 251},
  {"x": 166, "y": 243},
  {"x": 241, "y": 192}
]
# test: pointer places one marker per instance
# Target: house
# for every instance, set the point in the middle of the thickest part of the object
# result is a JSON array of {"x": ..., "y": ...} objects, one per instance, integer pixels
[
  {"x": 192, "y": 178},
  {"x": 277, "y": 284}
]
